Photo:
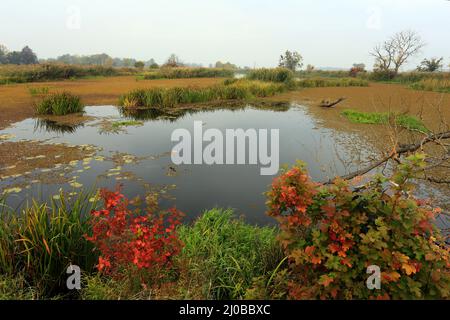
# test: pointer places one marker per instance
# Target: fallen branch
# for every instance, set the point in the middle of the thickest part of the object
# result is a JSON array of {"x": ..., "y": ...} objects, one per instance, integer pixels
[
  {"x": 327, "y": 104},
  {"x": 396, "y": 152}
]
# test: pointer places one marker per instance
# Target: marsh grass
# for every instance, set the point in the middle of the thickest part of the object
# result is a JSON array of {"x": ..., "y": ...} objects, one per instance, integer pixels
[
  {"x": 226, "y": 254},
  {"x": 45, "y": 72},
  {"x": 437, "y": 85},
  {"x": 41, "y": 240},
  {"x": 404, "y": 120},
  {"x": 170, "y": 97},
  {"x": 272, "y": 75},
  {"x": 179, "y": 73},
  {"x": 329, "y": 82},
  {"x": 59, "y": 104},
  {"x": 34, "y": 91}
]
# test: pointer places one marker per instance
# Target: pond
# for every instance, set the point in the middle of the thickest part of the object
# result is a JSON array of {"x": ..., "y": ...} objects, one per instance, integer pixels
[{"x": 138, "y": 156}]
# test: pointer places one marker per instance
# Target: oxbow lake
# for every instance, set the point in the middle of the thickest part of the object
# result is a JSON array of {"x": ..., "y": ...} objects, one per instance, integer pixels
[{"x": 139, "y": 157}]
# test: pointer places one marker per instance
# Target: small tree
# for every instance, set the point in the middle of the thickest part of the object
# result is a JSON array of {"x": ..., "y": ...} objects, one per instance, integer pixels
[
  {"x": 291, "y": 60},
  {"x": 27, "y": 56},
  {"x": 310, "y": 68},
  {"x": 430, "y": 65},
  {"x": 395, "y": 52},
  {"x": 152, "y": 64},
  {"x": 139, "y": 65},
  {"x": 173, "y": 61},
  {"x": 3, "y": 54},
  {"x": 357, "y": 68}
]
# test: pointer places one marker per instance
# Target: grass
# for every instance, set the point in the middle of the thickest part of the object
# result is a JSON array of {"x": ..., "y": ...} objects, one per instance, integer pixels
[
  {"x": 126, "y": 123},
  {"x": 171, "y": 97},
  {"x": 59, "y": 104},
  {"x": 45, "y": 72},
  {"x": 406, "y": 121},
  {"x": 40, "y": 241},
  {"x": 226, "y": 253},
  {"x": 273, "y": 75},
  {"x": 178, "y": 73},
  {"x": 437, "y": 85},
  {"x": 35, "y": 91},
  {"x": 329, "y": 82}
]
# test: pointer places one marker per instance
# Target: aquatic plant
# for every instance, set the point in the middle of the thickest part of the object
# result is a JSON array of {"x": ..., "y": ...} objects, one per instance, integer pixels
[
  {"x": 404, "y": 120},
  {"x": 432, "y": 84},
  {"x": 59, "y": 104}
]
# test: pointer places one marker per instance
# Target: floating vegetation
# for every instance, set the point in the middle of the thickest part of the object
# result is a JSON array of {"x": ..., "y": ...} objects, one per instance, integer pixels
[{"x": 404, "y": 120}]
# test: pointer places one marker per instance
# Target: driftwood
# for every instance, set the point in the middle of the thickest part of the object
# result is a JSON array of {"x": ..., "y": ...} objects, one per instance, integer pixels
[{"x": 328, "y": 104}]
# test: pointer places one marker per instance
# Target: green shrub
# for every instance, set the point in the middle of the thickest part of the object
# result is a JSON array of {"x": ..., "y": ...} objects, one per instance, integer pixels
[
  {"x": 59, "y": 104},
  {"x": 227, "y": 253},
  {"x": 273, "y": 75}
]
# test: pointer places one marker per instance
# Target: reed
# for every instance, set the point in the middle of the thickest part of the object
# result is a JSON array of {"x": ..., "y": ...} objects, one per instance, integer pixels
[
  {"x": 59, "y": 104},
  {"x": 178, "y": 73},
  {"x": 273, "y": 75}
]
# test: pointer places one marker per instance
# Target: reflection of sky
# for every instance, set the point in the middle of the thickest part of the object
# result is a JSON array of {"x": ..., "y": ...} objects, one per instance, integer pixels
[
  {"x": 199, "y": 187},
  {"x": 326, "y": 32}
]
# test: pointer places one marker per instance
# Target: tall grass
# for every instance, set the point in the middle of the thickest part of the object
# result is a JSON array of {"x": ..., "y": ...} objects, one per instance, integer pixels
[
  {"x": 331, "y": 82},
  {"x": 46, "y": 72},
  {"x": 225, "y": 253},
  {"x": 404, "y": 120},
  {"x": 170, "y": 97},
  {"x": 177, "y": 73},
  {"x": 274, "y": 75},
  {"x": 59, "y": 104},
  {"x": 437, "y": 85},
  {"x": 41, "y": 240}
]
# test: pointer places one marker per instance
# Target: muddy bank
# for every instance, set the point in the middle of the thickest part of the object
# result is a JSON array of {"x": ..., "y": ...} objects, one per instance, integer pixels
[{"x": 16, "y": 102}]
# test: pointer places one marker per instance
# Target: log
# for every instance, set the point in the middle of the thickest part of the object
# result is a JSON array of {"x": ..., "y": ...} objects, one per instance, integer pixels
[{"x": 327, "y": 104}]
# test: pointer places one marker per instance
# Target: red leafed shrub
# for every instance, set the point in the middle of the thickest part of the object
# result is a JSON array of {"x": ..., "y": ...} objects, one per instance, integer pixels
[
  {"x": 332, "y": 234},
  {"x": 125, "y": 239}
]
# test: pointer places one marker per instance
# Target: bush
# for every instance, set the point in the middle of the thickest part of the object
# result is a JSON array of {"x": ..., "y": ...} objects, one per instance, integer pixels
[
  {"x": 331, "y": 234},
  {"x": 226, "y": 254},
  {"x": 129, "y": 241},
  {"x": 273, "y": 75},
  {"x": 59, "y": 104}
]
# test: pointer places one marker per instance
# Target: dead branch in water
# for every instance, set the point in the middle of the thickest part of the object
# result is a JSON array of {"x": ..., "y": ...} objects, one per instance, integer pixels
[
  {"x": 328, "y": 104},
  {"x": 399, "y": 150}
]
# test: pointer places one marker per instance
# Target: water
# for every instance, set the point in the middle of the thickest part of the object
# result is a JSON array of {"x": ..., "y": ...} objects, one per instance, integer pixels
[{"x": 192, "y": 188}]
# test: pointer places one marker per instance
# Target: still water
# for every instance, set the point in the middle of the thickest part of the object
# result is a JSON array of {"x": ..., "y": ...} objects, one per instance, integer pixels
[{"x": 138, "y": 157}]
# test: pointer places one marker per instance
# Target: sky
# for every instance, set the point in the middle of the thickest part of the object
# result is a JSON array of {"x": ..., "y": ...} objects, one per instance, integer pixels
[{"x": 327, "y": 33}]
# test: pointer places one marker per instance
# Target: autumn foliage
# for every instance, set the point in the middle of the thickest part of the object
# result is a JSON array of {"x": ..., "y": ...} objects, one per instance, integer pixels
[
  {"x": 128, "y": 240},
  {"x": 332, "y": 233}
]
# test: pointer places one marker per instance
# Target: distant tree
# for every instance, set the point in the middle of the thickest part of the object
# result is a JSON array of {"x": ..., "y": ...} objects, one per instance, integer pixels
[
  {"x": 430, "y": 65},
  {"x": 226, "y": 65},
  {"x": 310, "y": 68},
  {"x": 152, "y": 64},
  {"x": 173, "y": 61},
  {"x": 14, "y": 57},
  {"x": 139, "y": 65},
  {"x": 356, "y": 69},
  {"x": 291, "y": 60},
  {"x": 28, "y": 56},
  {"x": 395, "y": 52},
  {"x": 3, "y": 54}
]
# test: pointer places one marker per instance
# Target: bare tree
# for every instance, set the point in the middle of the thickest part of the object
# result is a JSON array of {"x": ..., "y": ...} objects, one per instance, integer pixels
[{"x": 395, "y": 52}]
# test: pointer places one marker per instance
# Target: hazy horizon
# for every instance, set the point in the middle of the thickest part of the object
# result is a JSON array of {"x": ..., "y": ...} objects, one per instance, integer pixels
[{"x": 251, "y": 33}]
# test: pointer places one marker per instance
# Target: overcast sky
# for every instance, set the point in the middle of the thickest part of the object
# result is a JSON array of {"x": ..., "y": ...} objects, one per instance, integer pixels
[{"x": 246, "y": 32}]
